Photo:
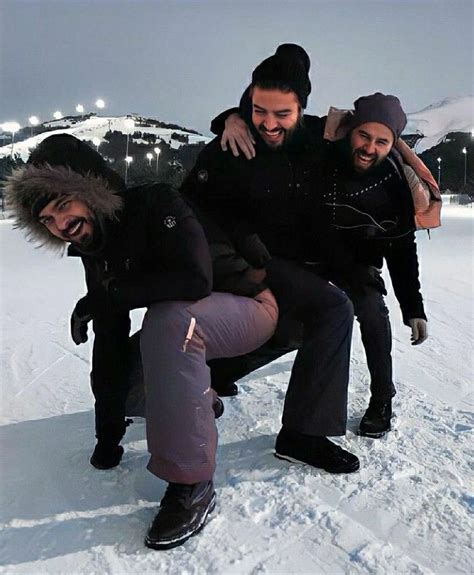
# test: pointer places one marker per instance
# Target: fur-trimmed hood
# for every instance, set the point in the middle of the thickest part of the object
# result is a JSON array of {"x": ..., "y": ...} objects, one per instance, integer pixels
[{"x": 61, "y": 166}]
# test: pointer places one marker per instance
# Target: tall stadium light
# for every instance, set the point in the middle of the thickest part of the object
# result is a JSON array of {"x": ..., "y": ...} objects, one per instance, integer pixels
[
  {"x": 34, "y": 121},
  {"x": 57, "y": 115},
  {"x": 80, "y": 109},
  {"x": 96, "y": 142},
  {"x": 157, "y": 152},
  {"x": 464, "y": 151},
  {"x": 128, "y": 161},
  {"x": 100, "y": 104},
  {"x": 12, "y": 128},
  {"x": 129, "y": 125},
  {"x": 149, "y": 157},
  {"x": 439, "y": 160}
]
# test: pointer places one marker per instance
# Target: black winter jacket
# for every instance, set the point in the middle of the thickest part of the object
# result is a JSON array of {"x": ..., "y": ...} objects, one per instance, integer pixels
[
  {"x": 374, "y": 216},
  {"x": 156, "y": 251}
]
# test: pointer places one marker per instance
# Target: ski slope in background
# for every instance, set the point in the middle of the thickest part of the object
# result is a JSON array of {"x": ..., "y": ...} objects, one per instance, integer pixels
[{"x": 406, "y": 511}]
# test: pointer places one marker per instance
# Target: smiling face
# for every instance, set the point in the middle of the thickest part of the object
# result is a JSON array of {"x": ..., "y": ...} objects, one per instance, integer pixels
[
  {"x": 68, "y": 219},
  {"x": 370, "y": 144},
  {"x": 275, "y": 115}
]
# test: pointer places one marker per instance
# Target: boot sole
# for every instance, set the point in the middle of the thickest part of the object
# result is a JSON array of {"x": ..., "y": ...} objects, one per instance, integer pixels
[
  {"x": 170, "y": 543},
  {"x": 348, "y": 469},
  {"x": 376, "y": 435}
]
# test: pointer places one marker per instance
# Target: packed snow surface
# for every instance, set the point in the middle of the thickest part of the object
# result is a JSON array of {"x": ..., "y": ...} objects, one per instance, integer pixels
[{"x": 406, "y": 511}]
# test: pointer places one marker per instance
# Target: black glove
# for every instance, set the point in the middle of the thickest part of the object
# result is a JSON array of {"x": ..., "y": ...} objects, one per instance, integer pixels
[
  {"x": 96, "y": 303},
  {"x": 79, "y": 320}
]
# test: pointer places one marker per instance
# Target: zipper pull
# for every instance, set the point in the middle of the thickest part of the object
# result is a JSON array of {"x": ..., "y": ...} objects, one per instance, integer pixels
[{"x": 189, "y": 335}]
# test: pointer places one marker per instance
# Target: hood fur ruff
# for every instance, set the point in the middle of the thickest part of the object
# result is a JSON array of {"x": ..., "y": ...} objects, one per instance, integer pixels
[{"x": 25, "y": 185}]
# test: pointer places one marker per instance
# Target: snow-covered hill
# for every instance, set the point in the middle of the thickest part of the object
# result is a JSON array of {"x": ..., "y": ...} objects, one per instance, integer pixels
[
  {"x": 408, "y": 509},
  {"x": 97, "y": 127},
  {"x": 440, "y": 119}
]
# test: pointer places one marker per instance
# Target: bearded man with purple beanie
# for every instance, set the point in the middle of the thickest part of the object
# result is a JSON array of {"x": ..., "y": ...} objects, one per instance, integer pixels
[
  {"x": 144, "y": 247},
  {"x": 369, "y": 203}
]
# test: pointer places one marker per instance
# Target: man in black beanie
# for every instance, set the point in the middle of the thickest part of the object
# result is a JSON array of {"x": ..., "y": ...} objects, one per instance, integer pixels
[{"x": 271, "y": 198}]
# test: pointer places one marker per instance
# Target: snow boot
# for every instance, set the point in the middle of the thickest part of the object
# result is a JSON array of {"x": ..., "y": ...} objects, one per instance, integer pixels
[
  {"x": 225, "y": 388},
  {"x": 106, "y": 455},
  {"x": 183, "y": 513},
  {"x": 376, "y": 420},
  {"x": 218, "y": 407},
  {"x": 315, "y": 451}
]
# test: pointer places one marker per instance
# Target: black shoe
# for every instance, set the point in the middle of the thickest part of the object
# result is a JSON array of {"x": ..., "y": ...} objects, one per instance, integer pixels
[
  {"x": 225, "y": 388},
  {"x": 106, "y": 455},
  {"x": 183, "y": 513},
  {"x": 315, "y": 451},
  {"x": 376, "y": 420},
  {"x": 218, "y": 407}
]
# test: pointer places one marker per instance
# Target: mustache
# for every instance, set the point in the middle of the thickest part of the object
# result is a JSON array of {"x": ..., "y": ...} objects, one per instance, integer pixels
[
  {"x": 72, "y": 224},
  {"x": 274, "y": 131}
]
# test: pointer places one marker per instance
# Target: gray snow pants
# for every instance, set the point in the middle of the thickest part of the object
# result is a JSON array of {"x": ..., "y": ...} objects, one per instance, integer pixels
[{"x": 177, "y": 339}]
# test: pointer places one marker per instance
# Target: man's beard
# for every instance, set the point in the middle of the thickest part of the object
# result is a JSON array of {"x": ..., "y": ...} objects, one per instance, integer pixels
[
  {"x": 73, "y": 234},
  {"x": 364, "y": 163},
  {"x": 289, "y": 135}
]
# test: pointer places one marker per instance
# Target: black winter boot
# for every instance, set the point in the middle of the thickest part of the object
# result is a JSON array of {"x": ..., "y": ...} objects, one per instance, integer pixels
[
  {"x": 218, "y": 407},
  {"x": 183, "y": 513},
  {"x": 225, "y": 388},
  {"x": 376, "y": 420},
  {"x": 106, "y": 455},
  {"x": 316, "y": 451}
]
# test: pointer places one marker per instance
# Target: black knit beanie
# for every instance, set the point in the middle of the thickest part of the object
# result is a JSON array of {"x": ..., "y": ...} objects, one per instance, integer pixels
[
  {"x": 288, "y": 68},
  {"x": 380, "y": 108}
]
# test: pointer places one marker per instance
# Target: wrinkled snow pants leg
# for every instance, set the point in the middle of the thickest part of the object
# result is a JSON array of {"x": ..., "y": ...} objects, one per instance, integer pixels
[{"x": 176, "y": 340}]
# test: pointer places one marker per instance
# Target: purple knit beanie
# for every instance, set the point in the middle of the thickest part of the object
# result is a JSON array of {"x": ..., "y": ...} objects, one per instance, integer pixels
[{"x": 379, "y": 108}]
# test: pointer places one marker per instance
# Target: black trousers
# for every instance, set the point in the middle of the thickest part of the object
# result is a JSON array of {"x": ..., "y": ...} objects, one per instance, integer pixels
[
  {"x": 316, "y": 400},
  {"x": 373, "y": 318}
]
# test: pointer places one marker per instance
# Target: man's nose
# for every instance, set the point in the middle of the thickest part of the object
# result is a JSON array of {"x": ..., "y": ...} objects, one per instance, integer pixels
[
  {"x": 369, "y": 147},
  {"x": 270, "y": 124},
  {"x": 62, "y": 222}
]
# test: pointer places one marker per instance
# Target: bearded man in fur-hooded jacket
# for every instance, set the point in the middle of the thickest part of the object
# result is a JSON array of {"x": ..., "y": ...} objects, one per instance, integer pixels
[{"x": 144, "y": 247}]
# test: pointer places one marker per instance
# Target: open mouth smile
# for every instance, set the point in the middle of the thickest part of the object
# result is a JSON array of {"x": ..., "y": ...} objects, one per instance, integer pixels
[{"x": 74, "y": 229}]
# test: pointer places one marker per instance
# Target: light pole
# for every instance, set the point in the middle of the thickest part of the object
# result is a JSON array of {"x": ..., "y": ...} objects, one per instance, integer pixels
[
  {"x": 439, "y": 172},
  {"x": 100, "y": 103},
  {"x": 80, "y": 109},
  {"x": 11, "y": 127},
  {"x": 464, "y": 151},
  {"x": 157, "y": 152},
  {"x": 129, "y": 125},
  {"x": 149, "y": 157},
  {"x": 57, "y": 115},
  {"x": 96, "y": 142},
  {"x": 128, "y": 161},
  {"x": 33, "y": 120}
]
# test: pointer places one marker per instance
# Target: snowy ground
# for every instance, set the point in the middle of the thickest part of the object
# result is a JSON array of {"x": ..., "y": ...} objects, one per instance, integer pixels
[{"x": 407, "y": 511}]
